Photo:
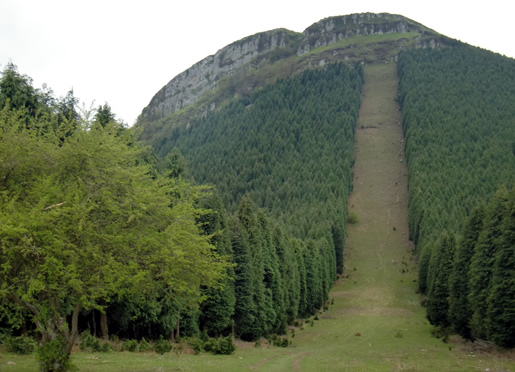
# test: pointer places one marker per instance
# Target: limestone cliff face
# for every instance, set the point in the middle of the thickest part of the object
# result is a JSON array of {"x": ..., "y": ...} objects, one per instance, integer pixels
[
  {"x": 331, "y": 30},
  {"x": 187, "y": 87},
  {"x": 271, "y": 46}
]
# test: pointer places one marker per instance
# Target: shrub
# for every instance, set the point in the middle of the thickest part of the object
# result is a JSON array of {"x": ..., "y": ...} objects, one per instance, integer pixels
[
  {"x": 130, "y": 345},
  {"x": 20, "y": 345},
  {"x": 105, "y": 348},
  {"x": 144, "y": 345},
  {"x": 352, "y": 218},
  {"x": 224, "y": 346},
  {"x": 162, "y": 346},
  {"x": 52, "y": 356},
  {"x": 89, "y": 342},
  {"x": 196, "y": 344}
]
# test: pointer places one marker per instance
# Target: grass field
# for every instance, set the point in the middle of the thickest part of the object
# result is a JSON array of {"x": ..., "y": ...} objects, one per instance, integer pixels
[{"x": 376, "y": 322}]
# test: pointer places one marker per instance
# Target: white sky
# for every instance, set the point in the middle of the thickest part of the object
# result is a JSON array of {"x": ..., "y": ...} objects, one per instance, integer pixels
[{"x": 123, "y": 52}]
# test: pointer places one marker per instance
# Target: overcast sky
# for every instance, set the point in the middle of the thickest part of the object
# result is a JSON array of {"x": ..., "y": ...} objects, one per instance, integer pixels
[{"x": 123, "y": 52}]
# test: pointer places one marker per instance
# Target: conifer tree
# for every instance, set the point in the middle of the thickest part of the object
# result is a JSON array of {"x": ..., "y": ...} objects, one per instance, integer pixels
[
  {"x": 438, "y": 293},
  {"x": 460, "y": 310},
  {"x": 483, "y": 260},
  {"x": 500, "y": 312},
  {"x": 272, "y": 276},
  {"x": 245, "y": 309}
]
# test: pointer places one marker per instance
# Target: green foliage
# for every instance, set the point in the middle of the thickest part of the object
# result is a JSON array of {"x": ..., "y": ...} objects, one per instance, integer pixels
[
  {"x": 223, "y": 346},
  {"x": 457, "y": 110},
  {"x": 162, "y": 346},
  {"x": 20, "y": 344},
  {"x": 438, "y": 293},
  {"x": 89, "y": 342},
  {"x": 460, "y": 310},
  {"x": 352, "y": 218},
  {"x": 53, "y": 357},
  {"x": 130, "y": 345},
  {"x": 457, "y": 120},
  {"x": 143, "y": 345},
  {"x": 85, "y": 218}
]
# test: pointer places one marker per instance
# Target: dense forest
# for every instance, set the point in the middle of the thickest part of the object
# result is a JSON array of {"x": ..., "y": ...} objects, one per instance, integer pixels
[{"x": 458, "y": 121}]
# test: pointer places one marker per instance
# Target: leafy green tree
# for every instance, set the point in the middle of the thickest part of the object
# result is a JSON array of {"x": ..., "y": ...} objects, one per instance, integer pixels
[{"x": 82, "y": 221}]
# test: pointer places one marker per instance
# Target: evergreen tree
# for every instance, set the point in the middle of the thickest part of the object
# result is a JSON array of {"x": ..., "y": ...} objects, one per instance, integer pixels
[
  {"x": 483, "y": 262},
  {"x": 288, "y": 267},
  {"x": 339, "y": 244},
  {"x": 245, "y": 309},
  {"x": 272, "y": 277},
  {"x": 460, "y": 310},
  {"x": 500, "y": 311},
  {"x": 438, "y": 294},
  {"x": 217, "y": 309}
]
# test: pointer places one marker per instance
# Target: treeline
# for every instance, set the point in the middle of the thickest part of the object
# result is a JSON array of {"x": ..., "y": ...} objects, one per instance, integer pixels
[{"x": 457, "y": 114}]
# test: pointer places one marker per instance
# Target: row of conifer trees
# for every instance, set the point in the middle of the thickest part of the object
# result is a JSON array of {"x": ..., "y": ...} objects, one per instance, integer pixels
[{"x": 457, "y": 111}]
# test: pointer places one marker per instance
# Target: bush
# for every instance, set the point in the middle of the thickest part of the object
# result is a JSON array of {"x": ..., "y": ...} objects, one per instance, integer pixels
[
  {"x": 224, "y": 346},
  {"x": 20, "y": 345},
  {"x": 352, "y": 218},
  {"x": 162, "y": 346},
  {"x": 105, "y": 348},
  {"x": 89, "y": 342},
  {"x": 52, "y": 356},
  {"x": 196, "y": 344},
  {"x": 144, "y": 345},
  {"x": 130, "y": 345}
]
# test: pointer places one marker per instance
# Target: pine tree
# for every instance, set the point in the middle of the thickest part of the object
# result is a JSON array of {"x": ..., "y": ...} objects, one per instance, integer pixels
[
  {"x": 272, "y": 277},
  {"x": 245, "y": 309},
  {"x": 339, "y": 245},
  {"x": 500, "y": 313},
  {"x": 483, "y": 260},
  {"x": 438, "y": 293},
  {"x": 460, "y": 310},
  {"x": 217, "y": 309}
]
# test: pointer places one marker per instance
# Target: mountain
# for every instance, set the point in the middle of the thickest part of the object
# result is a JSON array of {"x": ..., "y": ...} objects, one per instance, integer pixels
[
  {"x": 245, "y": 65},
  {"x": 270, "y": 121}
]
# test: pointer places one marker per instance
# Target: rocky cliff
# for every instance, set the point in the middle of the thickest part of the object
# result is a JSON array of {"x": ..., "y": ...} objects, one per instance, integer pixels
[{"x": 271, "y": 47}]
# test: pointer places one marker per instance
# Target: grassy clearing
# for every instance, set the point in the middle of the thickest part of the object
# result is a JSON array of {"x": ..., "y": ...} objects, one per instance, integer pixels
[{"x": 376, "y": 301}]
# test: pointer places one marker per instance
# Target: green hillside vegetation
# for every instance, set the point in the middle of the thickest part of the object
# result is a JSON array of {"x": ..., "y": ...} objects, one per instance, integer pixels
[
  {"x": 457, "y": 110},
  {"x": 85, "y": 220},
  {"x": 288, "y": 150}
]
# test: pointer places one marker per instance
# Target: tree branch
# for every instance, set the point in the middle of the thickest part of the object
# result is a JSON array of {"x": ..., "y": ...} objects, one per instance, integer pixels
[{"x": 53, "y": 206}]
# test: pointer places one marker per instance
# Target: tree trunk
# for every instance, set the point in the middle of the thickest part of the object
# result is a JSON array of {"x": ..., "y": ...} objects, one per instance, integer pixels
[{"x": 103, "y": 325}]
